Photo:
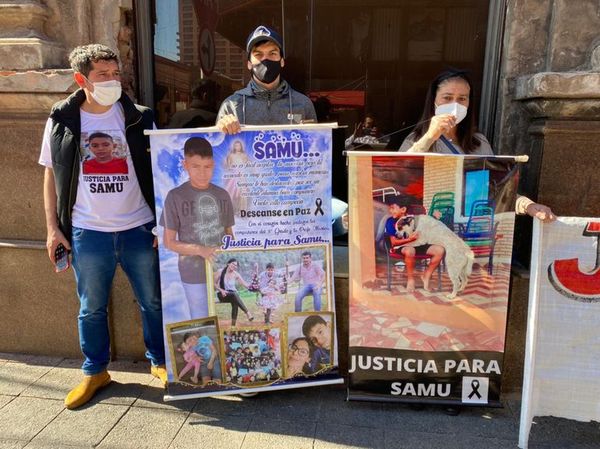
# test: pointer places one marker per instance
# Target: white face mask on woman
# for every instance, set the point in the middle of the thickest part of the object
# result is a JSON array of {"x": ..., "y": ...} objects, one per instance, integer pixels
[
  {"x": 456, "y": 109},
  {"x": 106, "y": 93}
]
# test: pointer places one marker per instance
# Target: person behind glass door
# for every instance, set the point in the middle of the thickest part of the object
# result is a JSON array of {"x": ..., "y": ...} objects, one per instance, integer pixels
[
  {"x": 365, "y": 132},
  {"x": 447, "y": 125},
  {"x": 268, "y": 99},
  {"x": 201, "y": 112}
]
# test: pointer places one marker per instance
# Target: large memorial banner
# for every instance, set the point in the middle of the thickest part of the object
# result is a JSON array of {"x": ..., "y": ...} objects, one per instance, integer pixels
[
  {"x": 244, "y": 231},
  {"x": 430, "y": 252},
  {"x": 562, "y": 368}
]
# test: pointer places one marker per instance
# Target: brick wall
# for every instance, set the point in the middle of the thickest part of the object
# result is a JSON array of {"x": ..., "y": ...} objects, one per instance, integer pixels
[
  {"x": 441, "y": 174},
  {"x": 446, "y": 175}
]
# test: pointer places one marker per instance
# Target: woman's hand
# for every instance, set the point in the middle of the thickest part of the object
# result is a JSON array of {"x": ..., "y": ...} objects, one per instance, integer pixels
[
  {"x": 439, "y": 125},
  {"x": 541, "y": 212}
]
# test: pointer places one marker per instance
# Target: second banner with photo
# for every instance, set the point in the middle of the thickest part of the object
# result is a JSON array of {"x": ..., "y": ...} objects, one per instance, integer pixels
[{"x": 430, "y": 256}]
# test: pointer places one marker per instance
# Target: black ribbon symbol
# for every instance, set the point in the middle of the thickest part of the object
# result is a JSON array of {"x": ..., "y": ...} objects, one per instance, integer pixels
[
  {"x": 475, "y": 389},
  {"x": 319, "y": 209}
]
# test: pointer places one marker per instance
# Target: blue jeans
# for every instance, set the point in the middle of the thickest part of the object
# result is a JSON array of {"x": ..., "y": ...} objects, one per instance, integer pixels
[
  {"x": 95, "y": 258},
  {"x": 305, "y": 291}
]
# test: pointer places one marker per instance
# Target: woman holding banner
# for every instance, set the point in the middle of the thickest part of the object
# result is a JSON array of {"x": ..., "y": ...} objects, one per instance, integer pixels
[{"x": 447, "y": 125}]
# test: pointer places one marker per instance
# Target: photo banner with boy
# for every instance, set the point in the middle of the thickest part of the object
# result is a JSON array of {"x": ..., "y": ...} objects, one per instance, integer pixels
[
  {"x": 430, "y": 251},
  {"x": 562, "y": 374},
  {"x": 244, "y": 238}
]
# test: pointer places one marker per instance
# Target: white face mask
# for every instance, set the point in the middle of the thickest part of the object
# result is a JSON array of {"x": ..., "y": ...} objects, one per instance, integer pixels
[
  {"x": 456, "y": 109},
  {"x": 106, "y": 93}
]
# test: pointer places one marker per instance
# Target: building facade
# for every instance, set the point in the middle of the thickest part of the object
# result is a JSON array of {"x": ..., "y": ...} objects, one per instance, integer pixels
[{"x": 535, "y": 66}]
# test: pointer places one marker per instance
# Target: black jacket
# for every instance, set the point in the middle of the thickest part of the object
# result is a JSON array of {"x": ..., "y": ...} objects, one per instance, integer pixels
[{"x": 65, "y": 149}]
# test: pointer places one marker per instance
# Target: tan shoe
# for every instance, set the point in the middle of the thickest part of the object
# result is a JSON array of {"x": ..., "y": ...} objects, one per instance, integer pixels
[
  {"x": 86, "y": 389},
  {"x": 160, "y": 372}
]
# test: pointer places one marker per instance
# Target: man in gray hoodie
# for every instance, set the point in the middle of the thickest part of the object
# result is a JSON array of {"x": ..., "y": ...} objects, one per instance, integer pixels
[{"x": 267, "y": 99}]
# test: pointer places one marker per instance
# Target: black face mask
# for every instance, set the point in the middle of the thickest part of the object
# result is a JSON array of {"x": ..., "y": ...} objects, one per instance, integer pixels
[{"x": 267, "y": 71}]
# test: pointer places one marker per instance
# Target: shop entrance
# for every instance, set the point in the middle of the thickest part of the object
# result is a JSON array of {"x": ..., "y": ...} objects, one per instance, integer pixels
[{"x": 352, "y": 57}]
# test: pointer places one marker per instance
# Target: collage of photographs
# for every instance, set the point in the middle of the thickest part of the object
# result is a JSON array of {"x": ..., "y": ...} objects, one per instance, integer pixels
[{"x": 270, "y": 320}]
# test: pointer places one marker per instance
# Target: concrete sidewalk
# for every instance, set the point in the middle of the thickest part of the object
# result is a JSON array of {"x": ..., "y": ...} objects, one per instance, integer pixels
[{"x": 130, "y": 413}]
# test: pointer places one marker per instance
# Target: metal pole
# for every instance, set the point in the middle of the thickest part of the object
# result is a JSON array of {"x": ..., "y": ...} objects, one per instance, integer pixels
[{"x": 145, "y": 52}]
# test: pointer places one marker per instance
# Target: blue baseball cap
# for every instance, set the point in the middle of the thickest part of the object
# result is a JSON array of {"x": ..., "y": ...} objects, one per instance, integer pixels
[{"x": 261, "y": 34}]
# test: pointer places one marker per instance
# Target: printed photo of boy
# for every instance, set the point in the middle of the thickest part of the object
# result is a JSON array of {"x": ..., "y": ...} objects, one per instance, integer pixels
[
  {"x": 196, "y": 216},
  {"x": 104, "y": 161},
  {"x": 319, "y": 332}
]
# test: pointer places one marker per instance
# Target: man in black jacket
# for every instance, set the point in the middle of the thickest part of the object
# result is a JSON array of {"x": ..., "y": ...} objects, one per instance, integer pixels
[{"x": 105, "y": 218}]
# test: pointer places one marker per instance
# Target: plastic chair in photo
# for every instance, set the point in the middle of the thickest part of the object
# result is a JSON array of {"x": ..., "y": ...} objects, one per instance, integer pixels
[
  {"x": 441, "y": 199},
  {"x": 442, "y": 208},
  {"x": 480, "y": 231}
]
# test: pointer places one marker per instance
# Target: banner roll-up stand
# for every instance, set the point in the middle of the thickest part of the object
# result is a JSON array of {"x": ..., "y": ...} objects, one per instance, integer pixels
[
  {"x": 561, "y": 375},
  {"x": 245, "y": 246},
  {"x": 430, "y": 250}
]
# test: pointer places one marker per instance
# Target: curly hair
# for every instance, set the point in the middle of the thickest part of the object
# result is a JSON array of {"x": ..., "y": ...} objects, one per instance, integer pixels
[{"x": 82, "y": 57}]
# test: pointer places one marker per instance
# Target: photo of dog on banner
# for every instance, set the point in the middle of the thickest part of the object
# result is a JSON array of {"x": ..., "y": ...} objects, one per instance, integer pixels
[
  {"x": 444, "y": 231},
  {"x": 442, "y": 235},
  {"x": 426, "y": 235}
]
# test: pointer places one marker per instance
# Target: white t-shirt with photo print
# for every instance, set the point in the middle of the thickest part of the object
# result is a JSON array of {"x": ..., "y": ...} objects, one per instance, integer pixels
[{"x": 109, "y": 198}]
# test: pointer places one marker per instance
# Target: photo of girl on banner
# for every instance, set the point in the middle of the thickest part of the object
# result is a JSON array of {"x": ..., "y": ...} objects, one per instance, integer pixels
[
  {"x": 438, "y": 240},
  {"x": 266, "y": 285},
  {"x": 195, "y": 351}
]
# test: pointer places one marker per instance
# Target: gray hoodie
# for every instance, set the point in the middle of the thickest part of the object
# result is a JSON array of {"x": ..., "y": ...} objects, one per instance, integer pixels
[{"x": 255, "y": 105}]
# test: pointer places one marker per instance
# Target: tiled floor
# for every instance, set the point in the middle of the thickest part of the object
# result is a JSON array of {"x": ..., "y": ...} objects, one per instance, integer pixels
[{"x": 130, "y": 413}]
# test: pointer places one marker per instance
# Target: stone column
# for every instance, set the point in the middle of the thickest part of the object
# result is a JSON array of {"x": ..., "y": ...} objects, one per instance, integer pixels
[
  {"x": 39, "y": 306},
  {"x": 564, "y": 110},
  {"x": 23, "y": 43},
  {"x": 564, "y": 154}
]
